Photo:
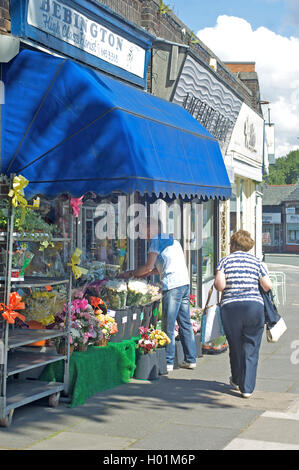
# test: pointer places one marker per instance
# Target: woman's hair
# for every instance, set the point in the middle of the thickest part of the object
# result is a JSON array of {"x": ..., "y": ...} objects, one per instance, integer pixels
[{"x": 241, "y": 240}]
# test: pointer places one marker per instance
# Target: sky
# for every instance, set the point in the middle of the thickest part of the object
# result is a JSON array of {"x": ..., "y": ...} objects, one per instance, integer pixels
[{"x": 262, "y": 31}]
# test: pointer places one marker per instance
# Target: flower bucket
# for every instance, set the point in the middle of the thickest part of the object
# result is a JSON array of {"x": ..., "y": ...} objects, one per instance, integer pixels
[
  {"x": 147, "y": 315},
  {"x": 82, "y": 347},
  {"x": 146, "y": 366},
  {"x": 60, "y": 348},
  {"x": 179, "y": 354},
  {"x": 155, "y": 312},
  {"x": 35, "y": 325},
  {"x": 102, "y": 342},
  {"x": 121, "y": 318},
  {"x": 162, "y": 363},
  {"x": 136, "y": 314},
  {"x": 198, "y": 344}
]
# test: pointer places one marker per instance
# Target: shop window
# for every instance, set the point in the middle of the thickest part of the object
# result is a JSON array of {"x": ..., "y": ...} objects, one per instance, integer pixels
[
  {"x": 208, "y": 241},
  {"x": 268, "y": 234},
  {"x": 101, "y": 232},
  {"x": 293, "y": 234}
]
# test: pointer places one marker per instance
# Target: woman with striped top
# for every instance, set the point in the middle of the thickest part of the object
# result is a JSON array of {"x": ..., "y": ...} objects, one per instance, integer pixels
[{"x": 242, "y": 309}]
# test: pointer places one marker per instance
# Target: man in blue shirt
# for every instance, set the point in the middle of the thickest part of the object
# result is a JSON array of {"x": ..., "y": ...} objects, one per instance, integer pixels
[{"x": 166, "y": 258}]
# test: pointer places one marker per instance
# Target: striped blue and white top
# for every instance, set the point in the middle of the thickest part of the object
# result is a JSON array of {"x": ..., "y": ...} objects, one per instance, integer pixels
[{"x": 242, "y": 273}]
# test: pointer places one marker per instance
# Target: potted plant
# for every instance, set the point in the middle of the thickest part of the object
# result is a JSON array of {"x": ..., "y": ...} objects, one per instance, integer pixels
[
  {"x": 29, "y": 223},
  {"x": 108, "y": 328},
  {"x": 85, "y": 327},
  {"x": 162, "y": 339},
  {"x": 146, "y": 359}
]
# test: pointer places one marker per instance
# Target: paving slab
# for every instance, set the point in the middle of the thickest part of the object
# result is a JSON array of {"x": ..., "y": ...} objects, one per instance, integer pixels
[
  {"x": 253, "y": 444},
  {"x": 75, "y": 441},
  {"x": 186, "y": 436},
  {"x": 285, "y": 431}
]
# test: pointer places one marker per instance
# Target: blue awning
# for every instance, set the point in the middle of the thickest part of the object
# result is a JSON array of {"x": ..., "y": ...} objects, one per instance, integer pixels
[{"x": 67, "y": 128}]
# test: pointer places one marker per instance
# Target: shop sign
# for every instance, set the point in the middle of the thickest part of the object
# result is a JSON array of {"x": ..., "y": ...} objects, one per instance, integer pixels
[
  {"x": 271, "y": 218},
  {"x": 247, "y": 139},
  {"x": 290, "y": 210},
  {"x": 67, "y": 24},
  {"x": 270, "y": 141}
]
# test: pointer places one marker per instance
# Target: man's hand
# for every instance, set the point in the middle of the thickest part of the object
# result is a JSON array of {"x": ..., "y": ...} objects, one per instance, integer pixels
[{"x": 126, "y": 275}]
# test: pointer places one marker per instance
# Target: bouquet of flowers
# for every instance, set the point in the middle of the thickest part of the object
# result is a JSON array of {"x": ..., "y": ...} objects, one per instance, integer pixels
[
  {"x": 146, "y": 344},
  {"x": 85, "y": 326},
  {"x": 153, "y": 291},
  {"x": 98, "y": 304},
  {"x": 96, "y": 271},
  {"x": 196, "y": 315},
  {"x": 192, "y": 300},
  {"x": 160, "y": 336},
  {"x": 115, "y": 293},
  {"x": 108, "y": 325},
  {"x": 40, "y": 307},
  {"x": 195, "y": 325},
  {"x": 138, "y": 292}
]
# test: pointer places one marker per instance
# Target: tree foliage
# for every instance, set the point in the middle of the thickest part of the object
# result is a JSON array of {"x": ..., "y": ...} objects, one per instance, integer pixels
[{"x": 285, "y": 170}]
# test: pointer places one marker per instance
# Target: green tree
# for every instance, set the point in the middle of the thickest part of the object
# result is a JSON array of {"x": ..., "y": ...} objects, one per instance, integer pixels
[{"x": 285, "y": 170}]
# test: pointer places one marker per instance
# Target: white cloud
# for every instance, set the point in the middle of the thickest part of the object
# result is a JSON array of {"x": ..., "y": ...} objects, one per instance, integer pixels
[{"x": 277, "y": 65}]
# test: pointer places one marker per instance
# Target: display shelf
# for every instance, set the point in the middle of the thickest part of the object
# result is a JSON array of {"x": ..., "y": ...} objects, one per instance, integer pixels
[
  {"x": 21, "y": 336},
  {"x": 22, "y": 392},
  {"x": 26, "y": 238},
  {"x": 22, "y": 360},
  {"x": 16, "y": 354},
  {"x": 35, "y": 281}
]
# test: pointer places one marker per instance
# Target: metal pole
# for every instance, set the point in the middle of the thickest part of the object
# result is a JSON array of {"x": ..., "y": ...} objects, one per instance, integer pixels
[
  {"x": 7, "y": 289},
  {"x": 68, "y": 310}
]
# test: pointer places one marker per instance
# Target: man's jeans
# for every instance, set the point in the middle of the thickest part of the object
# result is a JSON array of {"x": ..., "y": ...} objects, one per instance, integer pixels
[{"x": 175, "y": 307}]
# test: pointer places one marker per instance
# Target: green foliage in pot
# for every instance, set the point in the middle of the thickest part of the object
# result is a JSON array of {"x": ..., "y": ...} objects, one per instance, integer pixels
[{"x": 33, "y": 227}]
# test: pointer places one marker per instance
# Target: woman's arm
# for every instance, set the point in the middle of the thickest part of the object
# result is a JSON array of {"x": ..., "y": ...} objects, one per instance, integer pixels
[
  {"x": 220, "y": 282},
  {"x": 266, "y": 283}
]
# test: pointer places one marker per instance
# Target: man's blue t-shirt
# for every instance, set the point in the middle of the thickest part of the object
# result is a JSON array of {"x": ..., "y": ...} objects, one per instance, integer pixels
[{"x": 171, "y": 262}]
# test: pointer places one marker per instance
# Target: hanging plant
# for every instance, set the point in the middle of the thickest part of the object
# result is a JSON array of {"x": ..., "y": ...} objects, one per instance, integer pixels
[
  {"x": 164, "y": 8},
  {"x": 29, "y": 224},
  {"x": 193, "y": 39}
]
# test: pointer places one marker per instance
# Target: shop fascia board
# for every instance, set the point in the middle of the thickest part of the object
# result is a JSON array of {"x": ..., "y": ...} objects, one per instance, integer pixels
[
  {"x": 237, "y": 156},
  {"x": 247, "y": 171},
  {"x": 95, "y": 12}
]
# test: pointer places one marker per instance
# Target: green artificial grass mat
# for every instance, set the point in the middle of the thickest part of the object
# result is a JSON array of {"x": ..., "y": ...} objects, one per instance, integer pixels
[{"x": 96, "y": 370}]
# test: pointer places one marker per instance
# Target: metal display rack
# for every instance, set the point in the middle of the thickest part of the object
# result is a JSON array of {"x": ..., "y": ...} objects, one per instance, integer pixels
[{"x": 15, "y": 358}]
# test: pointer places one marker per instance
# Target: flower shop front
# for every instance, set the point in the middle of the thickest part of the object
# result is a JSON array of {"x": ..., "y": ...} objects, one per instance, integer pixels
[{"x": 107, "y": 150}]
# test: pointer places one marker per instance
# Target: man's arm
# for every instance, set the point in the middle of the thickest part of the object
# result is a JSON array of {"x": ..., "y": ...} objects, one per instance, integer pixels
[{"x": 149, "y": 268}]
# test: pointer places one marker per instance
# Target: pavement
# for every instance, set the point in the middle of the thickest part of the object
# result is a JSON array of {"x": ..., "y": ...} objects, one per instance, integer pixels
[{"x": 186, "y": 410}]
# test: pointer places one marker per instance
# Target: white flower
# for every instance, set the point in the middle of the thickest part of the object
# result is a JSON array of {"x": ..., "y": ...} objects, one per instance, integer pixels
[
  {"x": 137, "y": 286},
  {"x": 118, "y": 286}
]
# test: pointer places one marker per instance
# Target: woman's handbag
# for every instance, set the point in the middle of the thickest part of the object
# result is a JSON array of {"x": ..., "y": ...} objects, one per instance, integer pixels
[
  {"x": 275, "y": 324},
  {"x": 211, "y": 324}
]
